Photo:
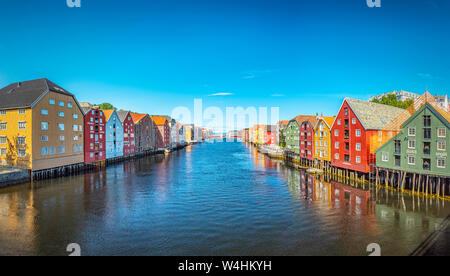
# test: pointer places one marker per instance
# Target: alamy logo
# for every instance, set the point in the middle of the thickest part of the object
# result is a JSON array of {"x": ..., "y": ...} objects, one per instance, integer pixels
[
  {"x": 374, "y": 3},
  {"x": 73, "y": 3}
]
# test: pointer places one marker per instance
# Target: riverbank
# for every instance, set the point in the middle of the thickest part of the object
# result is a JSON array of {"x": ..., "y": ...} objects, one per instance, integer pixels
[
  {"x": 426, "y": 190},
  {"x": 15, "y": 176}
]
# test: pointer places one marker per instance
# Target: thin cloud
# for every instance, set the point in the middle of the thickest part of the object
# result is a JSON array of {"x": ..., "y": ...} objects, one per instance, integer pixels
[
  {"x": 425, "y": 76},
  {"x": 221, "y": 94}
]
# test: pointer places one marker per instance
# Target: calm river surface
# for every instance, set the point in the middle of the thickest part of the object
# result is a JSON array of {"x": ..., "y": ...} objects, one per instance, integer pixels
[{"x": 210, "y": 199}]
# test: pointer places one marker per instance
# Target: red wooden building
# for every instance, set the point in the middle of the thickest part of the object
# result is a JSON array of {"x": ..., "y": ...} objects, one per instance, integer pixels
[
  {"x": 94, "y": 135},
  {"x": 358, "y": 131},
  {"x": 307, "y": 138},
  {"x": 129, "y": 143},
  {"x": 163, "y": 135}
]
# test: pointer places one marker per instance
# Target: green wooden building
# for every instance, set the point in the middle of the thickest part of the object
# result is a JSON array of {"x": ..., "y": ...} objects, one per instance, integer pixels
[
  {"x": 421, "y": 145},
  {"x": 292, "y": 133}
]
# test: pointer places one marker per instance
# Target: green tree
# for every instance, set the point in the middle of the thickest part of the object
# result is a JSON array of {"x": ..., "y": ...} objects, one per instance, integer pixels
[
  {"x": 105, "y": 106},
  {"x": 392, "y": 101}
]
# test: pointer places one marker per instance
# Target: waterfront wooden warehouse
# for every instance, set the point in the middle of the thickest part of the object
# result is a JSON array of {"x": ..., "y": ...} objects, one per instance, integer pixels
[
  {"x": 417, "y": 156},
  {"x": 41, "y": 126}
]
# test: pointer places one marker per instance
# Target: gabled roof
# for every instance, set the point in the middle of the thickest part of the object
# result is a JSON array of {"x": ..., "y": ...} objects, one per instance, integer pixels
[
  {"x": 328, "y": 121},
  {"x": 159, "y": 120},
  {"x": 26, "y": 94},
  {"x": 397, "y": 123},
  {"x": 372, "y": 115},
  {"x": 138, "y": 117},
  {"x": 303, "y": 118},
  {"x": 108, "y": 113},
  {"x": 122, "y": 114},
  {"x": 85, "y": 110}
]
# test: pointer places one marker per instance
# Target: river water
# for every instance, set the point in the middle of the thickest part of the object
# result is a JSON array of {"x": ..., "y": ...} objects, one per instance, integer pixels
[{"x": 210, "y": 199}]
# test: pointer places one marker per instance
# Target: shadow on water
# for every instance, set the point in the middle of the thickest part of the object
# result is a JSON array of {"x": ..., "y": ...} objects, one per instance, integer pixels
[{"x": 210, "y": 199}]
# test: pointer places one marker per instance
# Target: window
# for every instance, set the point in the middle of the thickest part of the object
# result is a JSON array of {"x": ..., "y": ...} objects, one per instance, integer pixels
[
  {"x": 427, "y": 148},
  {"x": 51, "y": 101},
  {"x": 336, "y": 132},
  {"x": 412, "y": 144},
  {"x": 75, "y": 127},
  {"x": 411, "y": 131},
  {"x": 22, "y": 125},
  {"x": 358, "y": 147},
  {"x": 441, "y": 163},
  {"x": 339, "y": 122},
  {"x": 44, "y": 126},
  {"x": 426, "y": 164},
  {"x": 358, "y": 159},
  {"x": 358, "y": 133},
  {"x": 441, "y": 132},
  {"x": 21, "y": 141},
  {"x": 69, "y": 105},
  {"x": 44, "y": 138},
  {"x": 2, "y": 140},
  {"x": 346, "y": 111},
  {"x": 427, "y": 133},
  {"x": 21, "y": 153},
  {"x": 2, "y": 151},
  {"x": 347, "y": 158},
  {"x": 441, "y": 145},
  {"x": 385, "y": 156},
  {"x": 61, "y": 103},
  {"x": 2, "y": 126},
  {"x": 427, "y": 121},
  {"x": 397, "y": 147},
  {"x": 398, "y": 161},
  {"x": 75, "y": 116},
  {"x": 62, "y": 149},
  {"x": 44, "y": 112},
  {"x": 336, "y": 145},
  {"x": 62, "y": 138},
  {"x": 61, "y": 114},
  {"x": 411, "y": 160},
  {"x": 75, "y": 138},
  {"x": 2, "y": 112},
  {"x": 61, "y": 127},
  {"x": 22, "y": 111},
  {"x": 51, "y": 150},
  {"x": 44, "y": 151},
  {"x": 354, "y": 121}
]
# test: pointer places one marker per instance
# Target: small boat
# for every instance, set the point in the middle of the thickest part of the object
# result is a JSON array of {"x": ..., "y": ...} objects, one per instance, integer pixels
[{"x": 314, "y": 171}]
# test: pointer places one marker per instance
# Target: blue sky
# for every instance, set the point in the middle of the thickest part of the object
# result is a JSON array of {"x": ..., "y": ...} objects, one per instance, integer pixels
[{"x": 303, "y": 56}]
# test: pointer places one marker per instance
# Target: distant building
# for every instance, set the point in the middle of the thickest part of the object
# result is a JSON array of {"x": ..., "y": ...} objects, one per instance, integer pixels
[
  {"x": 129, "y": 143},
  {"x": 145, "y": 132},
  {"x": 41, "y": 126},
  {"x": 322, "y": 139},
  {"x": 163, "y": 133},
  {"x": 94, "y": 135},
  {"x": 114, "y": 134},
  {"x": 444, "y": 101},
  {"x": 293, "y": 132},
  {"x": 189, "y": 132}
]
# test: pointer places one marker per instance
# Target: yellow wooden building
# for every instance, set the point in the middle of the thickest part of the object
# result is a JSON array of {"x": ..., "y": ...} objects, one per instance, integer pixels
[{"x": 322, "y": 138}]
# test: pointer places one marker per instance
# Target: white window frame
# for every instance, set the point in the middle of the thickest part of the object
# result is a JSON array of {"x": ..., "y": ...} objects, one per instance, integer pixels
[
  {"x": 23, "y": 123},
  {"x": 385, "y": 156},
  {"x": 445, "y": 132},
  {"x": 409, "y": 131},
  {"x": 441, "y": 142},
  {"x": 409, "y": 160},
  {"x": 445, "y": 163},
  {"x": 19, "y": 151},
  {"x": 409, "y": 145},
  {"x": 42, "y": 124}
]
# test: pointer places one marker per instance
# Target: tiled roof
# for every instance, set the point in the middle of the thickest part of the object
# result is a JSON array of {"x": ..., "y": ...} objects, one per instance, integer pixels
[
  {"x": 25, "y": 94},
  {"x": 302, "y": 118},
  {"x": 108, "y": 113},
  {"x": 137, "y": 117},
  {"x": 159, "y": 120},
  {"x": 85, "y": 110},
  {"x": 373, "y": 115}
]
